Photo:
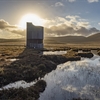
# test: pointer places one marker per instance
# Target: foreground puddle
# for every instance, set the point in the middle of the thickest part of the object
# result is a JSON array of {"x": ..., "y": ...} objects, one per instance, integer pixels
[
  {"x": 12, "y": 60},
  {"x": 54, "y": 52},
  {"x": 73, "y": 80},
  {"x": 18, "y": 84}
]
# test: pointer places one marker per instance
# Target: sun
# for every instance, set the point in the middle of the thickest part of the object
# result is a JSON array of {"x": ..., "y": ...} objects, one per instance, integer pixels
[{"x": 35, "y": 19}]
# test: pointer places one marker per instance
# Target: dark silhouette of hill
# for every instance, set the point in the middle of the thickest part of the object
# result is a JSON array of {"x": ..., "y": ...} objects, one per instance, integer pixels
[
  {"x": 12, "y": 40},
  {"x": 94, "y": 38}
]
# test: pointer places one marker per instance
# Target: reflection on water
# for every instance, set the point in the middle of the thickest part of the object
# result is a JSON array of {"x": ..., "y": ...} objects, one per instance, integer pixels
[
  {"x": 18, "y": 84},
  {"x": 12, "y": 60},
  {"x": 80, "y": 51},
  {"x": 54, "y": 52},
  {"x": 73, "y": 80}
]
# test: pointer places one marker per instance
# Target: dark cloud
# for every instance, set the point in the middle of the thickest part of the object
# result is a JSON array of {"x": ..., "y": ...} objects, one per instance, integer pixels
[
  {"x": 11, "y": 28},
  {"x": 64, "y": 29},
  {"x": 20, "y": 32},
  {"x": 84, "y": 31},
  {"x": 60, "y": 30},
  {"x": 5, "y": 25}
]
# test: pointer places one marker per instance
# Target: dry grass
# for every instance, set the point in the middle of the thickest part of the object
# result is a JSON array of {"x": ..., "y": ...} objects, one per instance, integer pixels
[
  {"x": 71, "y": 53},
  {"x": 69, "y": 45},
  {"x": 9, "y": 52},
  {"x": 1, "y": 70}
]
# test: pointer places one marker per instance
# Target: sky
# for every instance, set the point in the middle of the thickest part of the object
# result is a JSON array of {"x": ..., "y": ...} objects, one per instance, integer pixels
[{"x": 60, "y": 17}]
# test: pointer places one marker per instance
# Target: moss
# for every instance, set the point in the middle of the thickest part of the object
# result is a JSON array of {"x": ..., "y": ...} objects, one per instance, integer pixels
[
  {"x": 30, "y": 93},
  {"x": 86, "y": 54},
  {"x": 86, "y": 50}
]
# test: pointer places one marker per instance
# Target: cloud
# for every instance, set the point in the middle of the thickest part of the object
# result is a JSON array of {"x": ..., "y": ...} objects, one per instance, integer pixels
[
  {"x": 6, "y": 27},
  {"x": 59, "y": 30},
  {"x": 64, "y": 30},
  {"x": 98, "y": 23},
  {"x": 9, "y": 35},
  {"x": 91, "y": 1},
  {"x": 18, "y": 31},
  {"x": 57, "y": 4},
  {"x": 71, "y": 0},
  {"x": 70, "y": 25},
  {"x": 83, "y": 24},
  {"x": 72, "y": 18}
]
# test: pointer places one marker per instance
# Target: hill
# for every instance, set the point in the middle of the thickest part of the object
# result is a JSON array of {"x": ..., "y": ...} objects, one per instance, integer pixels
[
  {"x": 58, "y": 40},
  {"x": 74, "y": 39},
  {"x": 95, "y": 37}
]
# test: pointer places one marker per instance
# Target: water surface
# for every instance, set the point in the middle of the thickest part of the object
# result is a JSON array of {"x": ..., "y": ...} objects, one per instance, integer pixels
[
  {"x": 73, "y": 80},
  {"x": 54, "y": 52}
]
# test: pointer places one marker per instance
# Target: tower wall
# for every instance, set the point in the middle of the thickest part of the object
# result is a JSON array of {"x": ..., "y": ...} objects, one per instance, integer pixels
[{"x": 34, "y": 36}]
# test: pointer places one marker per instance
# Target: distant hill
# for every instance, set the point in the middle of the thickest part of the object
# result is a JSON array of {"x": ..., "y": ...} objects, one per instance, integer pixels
[
  {"x": 95, "y": 37},
  {"x": 57, "y": 40},
  {"x": 74, "y": 39},
  {"x": 12, "y": 41},
  {"x": 69, "y": 39}
]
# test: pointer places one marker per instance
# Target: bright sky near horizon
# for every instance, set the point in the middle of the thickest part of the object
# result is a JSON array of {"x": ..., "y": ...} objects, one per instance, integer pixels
[{"x": 59, "y": 17}]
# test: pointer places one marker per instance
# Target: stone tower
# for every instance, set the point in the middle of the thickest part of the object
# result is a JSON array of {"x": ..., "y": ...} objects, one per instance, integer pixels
[{"x": 34, "y": 36}]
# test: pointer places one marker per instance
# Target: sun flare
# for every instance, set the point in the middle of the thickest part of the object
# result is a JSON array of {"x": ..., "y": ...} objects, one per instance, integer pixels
[{"x": 36, "y": 20}]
